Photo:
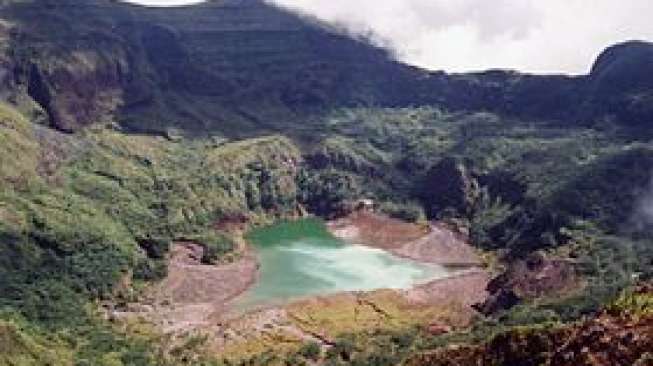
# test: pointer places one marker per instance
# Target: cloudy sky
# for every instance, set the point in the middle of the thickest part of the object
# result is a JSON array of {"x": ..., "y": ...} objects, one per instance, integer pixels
[{"x": 543, "y": 36}]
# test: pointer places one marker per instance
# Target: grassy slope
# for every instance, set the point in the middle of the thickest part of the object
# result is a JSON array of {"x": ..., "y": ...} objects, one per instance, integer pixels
[
  {"x": 78, "y": 214},
  {"x": 72, "y": 234},
  {"x": 74, "y": 216}
]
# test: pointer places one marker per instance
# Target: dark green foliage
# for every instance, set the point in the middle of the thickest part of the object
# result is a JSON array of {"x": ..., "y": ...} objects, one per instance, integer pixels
[
  {"x": 103, "y": 341},
  {"x": 342, "y": 349},
  {"x": 112, "y": 211},
  {"x": 155, "y": 248},
  {"x": 50, "y": 302},
  {"x": 449, "y": 189},
  {"x": 150, "y": 270},
  {"x": 67, "y": 252},
  {"x": 294, "y": 360},
  {"x": 385, "y": 348},
  {"x": 411, "y": 212},
  {"x": 268, "y": 358},
  {"x": 607, "y": 191},
  {"x": 489, "y": 216},
  {"x": 215, "y": 247},
  {"x": 311, "y": 351},
  {"x": 325, "y": 191},
  {"x": 608, "y": 264}
]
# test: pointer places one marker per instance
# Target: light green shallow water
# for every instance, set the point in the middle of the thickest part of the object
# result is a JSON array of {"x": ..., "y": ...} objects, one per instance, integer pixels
[{"x": 300, "y": 259}]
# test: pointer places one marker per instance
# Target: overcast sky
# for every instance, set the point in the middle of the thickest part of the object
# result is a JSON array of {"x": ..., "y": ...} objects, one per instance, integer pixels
[{"x": 543, "y": 36}]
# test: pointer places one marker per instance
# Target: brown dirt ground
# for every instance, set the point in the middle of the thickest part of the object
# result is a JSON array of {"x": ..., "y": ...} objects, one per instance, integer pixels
[
  {"x": 605, "y": 340},
  {"x": 443, "y": 302},
  {"x": 194, "y": 298},
  {"x": 433, "y": 243},
  {"x": 194, "y": 295},
  {"x": 465, "y": 288}
]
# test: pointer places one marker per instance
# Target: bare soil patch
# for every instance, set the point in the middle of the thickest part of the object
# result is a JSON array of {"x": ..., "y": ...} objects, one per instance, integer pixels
[
  {"x": 445, "y": 303},
  {"x": 195, "y": 295},
  {"x": 433, "y": 243},
  {"x": 465, "y": 289},
  {"x": 197, "y": 298},
  {"x": 379, "y": 231}
]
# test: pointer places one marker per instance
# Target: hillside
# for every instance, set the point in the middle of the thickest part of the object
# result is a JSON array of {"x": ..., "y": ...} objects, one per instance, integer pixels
[
  {"x": 210, "y": 68},
  {"x": 247, "y": 65},
  {"x": 125, "y": 130}
]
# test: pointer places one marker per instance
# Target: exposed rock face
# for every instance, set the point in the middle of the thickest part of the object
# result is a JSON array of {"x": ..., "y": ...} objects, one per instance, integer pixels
[
  {"x": 529, "y": 279},
  {"x": 436, "y": 243},
  {"x": 86, "y": 89},
  {"x": 619, "y": 68},
  {"x": 617, "y": 338},
  {"x": 500, "y": 299},
  {"x": 228, "y": 65},
  {"x": 449, "y": 186},
  {"x": 225, "y": 57}
]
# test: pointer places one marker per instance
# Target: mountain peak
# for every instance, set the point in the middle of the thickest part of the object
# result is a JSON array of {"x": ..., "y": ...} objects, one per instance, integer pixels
[
  {"x": 637, "y": 52},
  {"x": 623, "y": 68}
]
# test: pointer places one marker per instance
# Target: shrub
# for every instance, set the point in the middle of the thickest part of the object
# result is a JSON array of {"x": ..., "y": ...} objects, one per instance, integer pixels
[
  {"x": 410, "y": 211},
  {"x": 343, "y": 348},
  {"x": 311, "y": 351},
  {"x": 155, "y": 248},
  {"x": 150, "y": 270},
  {"x": 215, "y": 247}
]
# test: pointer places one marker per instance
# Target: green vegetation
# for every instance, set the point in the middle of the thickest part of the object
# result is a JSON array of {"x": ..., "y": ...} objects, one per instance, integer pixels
[
  {"x": 81, "y": 220},
  {"x": 633, "y": 302},
  {"x": 523, "y": 333},
  {"x": 410, "y": 211},
  {"x": 107, "y": 211},
  {"x": 572, "y": 193},
  {"x": 177, "y": 127},
  {"x": 311, "y": 351}
]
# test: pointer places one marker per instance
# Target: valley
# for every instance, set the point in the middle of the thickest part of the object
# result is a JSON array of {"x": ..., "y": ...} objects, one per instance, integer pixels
[
  {"x": 324, "y": 288},
  {"x": 235, "y": 184}
]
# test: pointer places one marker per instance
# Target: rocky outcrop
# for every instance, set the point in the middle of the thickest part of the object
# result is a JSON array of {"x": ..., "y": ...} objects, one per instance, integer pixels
[
  {"x": 620, "y": 84},
  {"x": 86, "y": 89},
  {"x": 449, "y": 186},
  {"x": 534, "y": 277},
  {"x": 232, "y": 65},
  {"x": 622, "y": 336}
]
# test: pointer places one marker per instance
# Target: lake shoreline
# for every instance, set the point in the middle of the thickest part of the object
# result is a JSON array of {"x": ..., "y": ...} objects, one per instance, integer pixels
[
  {"x": 204, "y": 298},
  {"x": 355, "y": 229},
  {"x": 433, "y": 243},
  {"x": 301, "y": 259}
]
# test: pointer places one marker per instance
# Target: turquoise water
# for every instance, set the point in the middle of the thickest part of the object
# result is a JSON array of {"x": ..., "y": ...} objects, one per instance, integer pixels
[{"x": 300, "y": 259}]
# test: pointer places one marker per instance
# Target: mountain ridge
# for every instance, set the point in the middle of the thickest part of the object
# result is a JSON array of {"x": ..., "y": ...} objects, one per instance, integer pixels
[
  {"x": 125, "y": 130},
  {"x": 249, "y": 65}
]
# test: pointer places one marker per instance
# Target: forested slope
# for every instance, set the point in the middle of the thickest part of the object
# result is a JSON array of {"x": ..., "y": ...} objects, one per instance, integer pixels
[{"x": 123, "y": 129}]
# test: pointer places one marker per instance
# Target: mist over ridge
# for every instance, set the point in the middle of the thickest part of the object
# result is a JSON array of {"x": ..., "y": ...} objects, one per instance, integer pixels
[{"x": 472, "y": 35}]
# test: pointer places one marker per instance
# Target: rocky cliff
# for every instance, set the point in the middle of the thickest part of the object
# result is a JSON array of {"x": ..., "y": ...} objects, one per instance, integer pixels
[
  {"x": 97, "y": 97},
  {"x": 230, "y": 66}
]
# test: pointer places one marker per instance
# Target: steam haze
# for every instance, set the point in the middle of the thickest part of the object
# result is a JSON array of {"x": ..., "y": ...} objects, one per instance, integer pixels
[
  {"x": 553, "y": 36},
  {"x": 643, "y": 216}
]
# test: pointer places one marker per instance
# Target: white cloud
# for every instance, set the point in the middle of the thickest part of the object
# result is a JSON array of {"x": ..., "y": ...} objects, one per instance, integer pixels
[{"x": 545, "y": 36}]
